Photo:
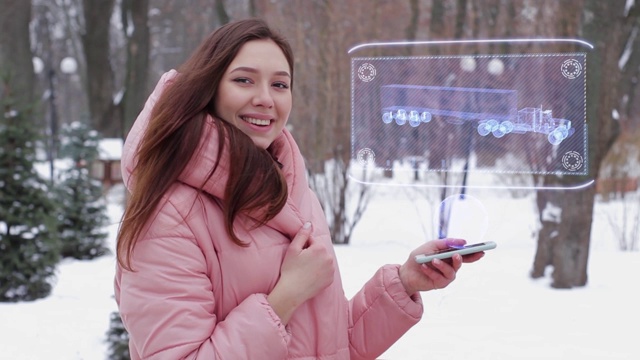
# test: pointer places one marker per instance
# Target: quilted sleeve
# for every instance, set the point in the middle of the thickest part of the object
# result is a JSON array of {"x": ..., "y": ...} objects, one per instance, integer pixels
[{"x": 380, "y": 313}]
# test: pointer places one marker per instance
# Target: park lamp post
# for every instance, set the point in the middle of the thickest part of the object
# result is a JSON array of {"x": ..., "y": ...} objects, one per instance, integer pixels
[
  {"x": 67, "y": 66},
  {"x": 469, "y": 66}
]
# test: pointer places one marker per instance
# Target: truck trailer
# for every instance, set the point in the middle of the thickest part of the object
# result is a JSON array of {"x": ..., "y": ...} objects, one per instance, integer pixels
[{"x": 494, "y": 110}]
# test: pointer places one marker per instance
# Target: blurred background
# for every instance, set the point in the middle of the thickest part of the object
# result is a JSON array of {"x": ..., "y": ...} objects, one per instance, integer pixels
[{"x": 74, "y": 74}]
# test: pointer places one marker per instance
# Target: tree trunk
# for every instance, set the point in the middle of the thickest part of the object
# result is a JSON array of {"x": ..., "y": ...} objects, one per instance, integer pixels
[
  {"x": 572, "y": 248},
  {"x": 253, "y": 11},
  {"x": 563, "y": 241},
  {"x": 100, "y": 76},
  {"x": 564, "y": 237},
  {"x": 16, "y": 64},
  {"x": 138, "y": 46},
  {"x": 437, "y": 23},
  {"x": 223, "y": 15}
]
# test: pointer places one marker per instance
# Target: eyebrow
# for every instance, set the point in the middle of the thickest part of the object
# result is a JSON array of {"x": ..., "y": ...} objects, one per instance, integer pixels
[{"x": 252, "y": 70}]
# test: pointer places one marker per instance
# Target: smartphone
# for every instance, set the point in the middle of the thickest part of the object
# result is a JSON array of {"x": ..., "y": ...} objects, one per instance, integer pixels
[{"x": 462, "y": 250}]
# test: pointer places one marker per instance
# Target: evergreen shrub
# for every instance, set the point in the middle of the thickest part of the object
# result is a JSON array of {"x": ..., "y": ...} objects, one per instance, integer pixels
[
  {"x": 29, "y": 246},
  {"x": 82, "y": 207}
]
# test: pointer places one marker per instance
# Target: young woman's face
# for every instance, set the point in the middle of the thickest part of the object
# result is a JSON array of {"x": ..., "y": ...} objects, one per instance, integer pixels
[{"x": 255, "y": 93}]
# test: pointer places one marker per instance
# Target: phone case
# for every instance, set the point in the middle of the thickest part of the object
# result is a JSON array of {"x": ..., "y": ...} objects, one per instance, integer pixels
[{"x": 447, "y": 253}]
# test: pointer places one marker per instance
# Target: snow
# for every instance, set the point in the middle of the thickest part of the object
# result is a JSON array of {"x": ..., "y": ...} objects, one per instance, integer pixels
[
  {"x": 626, "y": 54},
  {"x": 68, "y": 65},
  {"x": 552, "y": 213},
  {"x": 627, "y": 6},
  {"x": 44, "y": 168},
  {"x": 110, "y": 149},
  {"x": 493, "y": 310}
]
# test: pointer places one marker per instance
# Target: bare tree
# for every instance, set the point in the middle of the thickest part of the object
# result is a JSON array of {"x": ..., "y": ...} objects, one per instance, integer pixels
[
  {"x": 564, "y": 240},
  {"x": 100, "y": 74},
  {"x": 136, "y": 28},
  {"x": 343, "y": 200},
  {"x": 223, "y": 16},
  {"x": 15, "y": 51},
  {"x": 331, "y": 156}
]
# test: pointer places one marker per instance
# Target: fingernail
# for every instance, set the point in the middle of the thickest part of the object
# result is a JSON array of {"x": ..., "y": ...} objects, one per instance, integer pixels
[
  {"x": 453, "y": 243},
  {"x": 306, "y": 225}
]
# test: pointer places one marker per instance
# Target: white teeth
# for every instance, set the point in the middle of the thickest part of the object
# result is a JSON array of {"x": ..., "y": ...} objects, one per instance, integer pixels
[{"x": 254, "y": 121}]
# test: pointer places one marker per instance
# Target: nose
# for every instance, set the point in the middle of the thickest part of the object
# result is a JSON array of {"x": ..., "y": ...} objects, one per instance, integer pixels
[{"x": 263, "y": 97}]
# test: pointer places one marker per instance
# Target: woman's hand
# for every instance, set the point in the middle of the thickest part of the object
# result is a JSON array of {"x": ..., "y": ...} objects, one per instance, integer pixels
[
  {"x": 308, "y": 268},
  {"x": 438, "y": 273}
]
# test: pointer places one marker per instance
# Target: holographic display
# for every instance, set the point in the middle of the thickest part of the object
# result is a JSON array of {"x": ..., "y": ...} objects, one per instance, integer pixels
[{"x": 459, "y": 108}]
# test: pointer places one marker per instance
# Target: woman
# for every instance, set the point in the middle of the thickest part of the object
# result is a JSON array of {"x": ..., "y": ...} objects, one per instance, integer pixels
[{"x": 224, "y": 251}]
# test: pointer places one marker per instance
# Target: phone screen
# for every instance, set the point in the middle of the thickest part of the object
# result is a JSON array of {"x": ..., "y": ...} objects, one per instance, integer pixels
[
  {"x": 462, "y": 250},
  {"x": 454, "y": 248}
]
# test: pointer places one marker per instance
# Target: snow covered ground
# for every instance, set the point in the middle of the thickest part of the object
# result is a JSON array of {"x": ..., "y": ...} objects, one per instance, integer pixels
[{"x": 492, "y": 311}]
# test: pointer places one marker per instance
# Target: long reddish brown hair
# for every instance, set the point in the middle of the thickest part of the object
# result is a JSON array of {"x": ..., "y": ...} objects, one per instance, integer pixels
[{"x": 255, "y": 182}]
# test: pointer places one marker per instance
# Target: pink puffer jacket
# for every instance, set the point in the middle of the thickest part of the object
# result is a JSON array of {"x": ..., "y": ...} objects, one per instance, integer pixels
[{"x": 195, "y": 294}]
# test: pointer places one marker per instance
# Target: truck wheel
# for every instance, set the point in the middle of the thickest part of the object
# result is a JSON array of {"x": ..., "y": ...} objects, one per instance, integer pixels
[
  {"x": 414, "y": 118},
  {"x": 425, "y": 117},
  {"x": 563, "y": 130},
  {"x": 555, "y": 137},
  {"x": 500, "y": 131},
  {"x": 387, "y": 117},
  {"x": 483, "y": 129},
  {"x": 401, "y": 117},
  {"x": 508, "y": 125}
]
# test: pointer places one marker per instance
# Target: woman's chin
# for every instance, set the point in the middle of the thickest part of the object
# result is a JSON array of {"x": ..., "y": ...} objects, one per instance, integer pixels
[{"x": 262, "y": 143}]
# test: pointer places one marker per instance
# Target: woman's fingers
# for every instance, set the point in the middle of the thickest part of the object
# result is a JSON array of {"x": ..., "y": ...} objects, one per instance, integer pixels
[
  {"x": 299, "y": 242},
  {"x": 445, "y": 269}
]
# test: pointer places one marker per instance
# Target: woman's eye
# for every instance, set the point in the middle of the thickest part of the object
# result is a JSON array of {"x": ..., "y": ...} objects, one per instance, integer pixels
[
  {"x": 242, "y": 80},
  {"x": 281, "y": 85}
]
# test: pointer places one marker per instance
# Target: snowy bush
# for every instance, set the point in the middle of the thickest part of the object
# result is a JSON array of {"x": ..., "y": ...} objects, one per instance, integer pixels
[
  {"x": 82, "y": 208},
  {"x": 29, "y": 247},
  {"x": 117, "y": 339}
]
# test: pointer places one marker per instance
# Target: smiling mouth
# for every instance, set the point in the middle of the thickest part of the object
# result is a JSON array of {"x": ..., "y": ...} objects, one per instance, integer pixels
[{"x": 254, "y": 121}]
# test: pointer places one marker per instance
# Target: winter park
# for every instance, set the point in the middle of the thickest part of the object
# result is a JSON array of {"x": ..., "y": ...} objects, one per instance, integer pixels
[{"x": 512, "y": 122}]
